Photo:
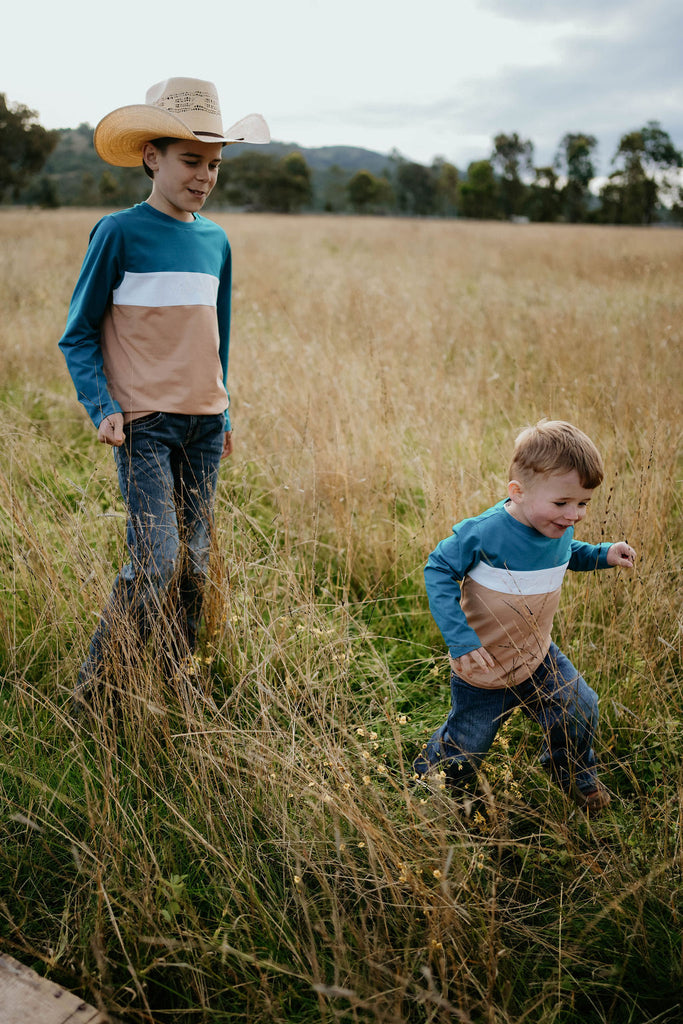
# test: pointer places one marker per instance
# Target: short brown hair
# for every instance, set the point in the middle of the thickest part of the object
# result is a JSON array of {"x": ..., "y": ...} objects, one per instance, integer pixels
[{"x": 553, "y": 446}]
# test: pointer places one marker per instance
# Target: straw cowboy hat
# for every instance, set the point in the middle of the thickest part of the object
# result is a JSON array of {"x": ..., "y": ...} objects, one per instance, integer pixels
[{"x": 179, "y": 108}]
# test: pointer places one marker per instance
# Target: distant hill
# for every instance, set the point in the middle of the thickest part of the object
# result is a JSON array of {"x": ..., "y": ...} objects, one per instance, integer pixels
[
  {"x": 322, "y": 158},
  {"x": 77, "y": 175}
]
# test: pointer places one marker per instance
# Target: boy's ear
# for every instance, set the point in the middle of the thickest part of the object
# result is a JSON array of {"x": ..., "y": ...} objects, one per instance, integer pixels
[
  {"x": 515, "y": 491},
  {"x": 149, "y": 156}
]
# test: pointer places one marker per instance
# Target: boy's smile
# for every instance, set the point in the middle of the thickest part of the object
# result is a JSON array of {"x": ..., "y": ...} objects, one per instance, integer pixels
[
  {"x": 549, "y": 504},
  {"x": 184, "y": 176}
]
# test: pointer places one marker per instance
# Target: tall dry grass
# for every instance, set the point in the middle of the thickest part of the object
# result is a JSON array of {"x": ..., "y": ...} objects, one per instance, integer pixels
[{"x": 243, "y": 844}]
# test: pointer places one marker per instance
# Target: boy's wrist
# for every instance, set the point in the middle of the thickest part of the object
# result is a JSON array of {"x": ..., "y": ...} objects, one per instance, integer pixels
[{"x": 108, "y": 410}]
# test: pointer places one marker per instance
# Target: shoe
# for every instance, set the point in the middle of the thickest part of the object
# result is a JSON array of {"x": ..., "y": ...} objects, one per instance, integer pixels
[{"x": 594, "y": 801}]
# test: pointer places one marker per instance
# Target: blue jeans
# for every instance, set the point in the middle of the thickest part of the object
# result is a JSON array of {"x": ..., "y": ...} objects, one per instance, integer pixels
[
  {"x": 555, "y": 696},
  {"x": 168, "y": 472}
]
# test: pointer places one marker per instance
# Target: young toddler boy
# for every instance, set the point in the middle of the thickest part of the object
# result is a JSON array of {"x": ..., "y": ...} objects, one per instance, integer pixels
[
  {"x": 146, "y": 344},
  {"x": 493, "y": 589}
]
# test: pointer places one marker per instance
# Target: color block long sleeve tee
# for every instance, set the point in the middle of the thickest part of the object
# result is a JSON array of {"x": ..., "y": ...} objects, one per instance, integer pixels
[
  {"x": 149, "y": 322},
  {"x": 495, "y": 583}
]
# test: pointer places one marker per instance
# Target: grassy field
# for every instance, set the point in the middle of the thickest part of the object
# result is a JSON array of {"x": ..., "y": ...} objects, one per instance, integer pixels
[{"x": 246, "y": 846}]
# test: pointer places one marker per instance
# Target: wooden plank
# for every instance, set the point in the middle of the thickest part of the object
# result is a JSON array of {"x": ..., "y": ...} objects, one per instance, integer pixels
[{"x": 26, "y": 998}]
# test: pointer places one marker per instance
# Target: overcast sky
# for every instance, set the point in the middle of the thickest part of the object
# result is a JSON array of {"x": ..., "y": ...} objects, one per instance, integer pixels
[{"x": 429, "y": 78}]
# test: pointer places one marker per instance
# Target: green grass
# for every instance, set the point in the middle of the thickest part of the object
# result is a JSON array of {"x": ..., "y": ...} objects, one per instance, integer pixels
[
  {"x": 246, "y": 845},
  {"x": 251, "y": 850}
]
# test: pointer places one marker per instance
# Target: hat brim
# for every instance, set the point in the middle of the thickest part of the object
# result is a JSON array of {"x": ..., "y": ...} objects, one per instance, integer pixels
[{"x": 120, "y": 136}]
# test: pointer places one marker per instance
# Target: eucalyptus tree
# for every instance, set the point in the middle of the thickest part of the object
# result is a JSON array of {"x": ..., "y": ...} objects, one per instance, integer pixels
[
  {"x": 647, "y": 162},
  {"x": 574, "y": 162},
  {"x": 512, "y": 159}
]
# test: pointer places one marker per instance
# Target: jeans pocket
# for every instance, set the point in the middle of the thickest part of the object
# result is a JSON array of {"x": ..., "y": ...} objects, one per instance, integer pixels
[{"x": 152, "y": 419}]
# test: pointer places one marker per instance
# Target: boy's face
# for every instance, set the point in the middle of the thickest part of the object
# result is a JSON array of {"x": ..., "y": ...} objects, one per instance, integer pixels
[
  {"x": 550, "y": 504},
  {"x": 183, "y": 176}
]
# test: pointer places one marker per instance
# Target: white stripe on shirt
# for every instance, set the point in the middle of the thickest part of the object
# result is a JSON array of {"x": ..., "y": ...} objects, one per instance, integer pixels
[
  {"x": 166, "y": 288},
  {"x": 516, "y": 581}
]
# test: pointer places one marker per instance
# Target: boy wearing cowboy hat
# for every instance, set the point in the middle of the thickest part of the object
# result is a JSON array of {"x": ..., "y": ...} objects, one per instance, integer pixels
[{"x": 146, "y": 344}]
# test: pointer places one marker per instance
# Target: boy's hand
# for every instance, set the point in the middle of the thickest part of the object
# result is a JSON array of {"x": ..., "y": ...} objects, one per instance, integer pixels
[
  {"x": 110, "y": 430},
  {"x": 227, "y": 444},
  {"x": 473, "y": 659},
  {"x": 621, "y": 554}
]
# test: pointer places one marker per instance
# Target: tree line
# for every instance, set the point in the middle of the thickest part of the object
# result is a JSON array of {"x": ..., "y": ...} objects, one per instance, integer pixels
[
  {"x": 53, "y": 168},
  {"x": 644, "y": 187}
]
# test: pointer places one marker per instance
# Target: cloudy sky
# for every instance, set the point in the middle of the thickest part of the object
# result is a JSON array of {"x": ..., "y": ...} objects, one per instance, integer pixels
[{"x": 429, "y": 78}]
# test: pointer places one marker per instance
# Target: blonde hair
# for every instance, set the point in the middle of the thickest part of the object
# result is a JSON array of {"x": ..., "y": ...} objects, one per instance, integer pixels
[{"x": 553, "y": 446}]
